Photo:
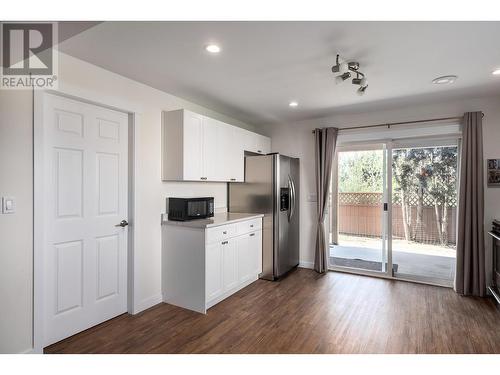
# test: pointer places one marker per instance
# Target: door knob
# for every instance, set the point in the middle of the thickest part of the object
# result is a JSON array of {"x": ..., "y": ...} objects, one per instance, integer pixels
[{"x": 122, "y": 224}]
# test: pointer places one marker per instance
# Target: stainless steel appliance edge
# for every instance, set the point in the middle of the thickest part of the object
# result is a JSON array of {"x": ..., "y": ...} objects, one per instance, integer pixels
[{"x": 272, "y": 188}]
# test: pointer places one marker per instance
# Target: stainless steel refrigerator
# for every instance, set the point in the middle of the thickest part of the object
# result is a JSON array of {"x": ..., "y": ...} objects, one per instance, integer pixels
[{"x": 271, "y": 187}]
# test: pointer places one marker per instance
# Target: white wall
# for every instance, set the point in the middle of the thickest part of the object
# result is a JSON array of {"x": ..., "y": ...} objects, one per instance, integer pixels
[
  {"x": 80, "y": 79},
  {"x": 297, "y": 140},
  {"x": 16, "y": 235}
]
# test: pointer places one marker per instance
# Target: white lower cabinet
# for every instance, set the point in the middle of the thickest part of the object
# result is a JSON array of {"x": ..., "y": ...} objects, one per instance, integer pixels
[
  {"x": 257, "y": 260},
  {"x": 248, "y": 258},
  {"x": 221, "y": 268},
  {"x": 214, "y": 268},
  {"x": 203, "y": 266},
  {"x": 231, "y": 264}
]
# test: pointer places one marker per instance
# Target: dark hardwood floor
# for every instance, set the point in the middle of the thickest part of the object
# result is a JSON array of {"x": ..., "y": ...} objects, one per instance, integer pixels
[{"x": 307, "y": 313}]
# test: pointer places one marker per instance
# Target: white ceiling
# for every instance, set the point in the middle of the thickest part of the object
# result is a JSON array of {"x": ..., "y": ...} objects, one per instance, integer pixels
[{"x": 264, "y": 65}]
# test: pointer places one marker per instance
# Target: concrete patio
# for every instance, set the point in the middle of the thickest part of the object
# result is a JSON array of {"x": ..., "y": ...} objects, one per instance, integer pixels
[{"x": 426, "y": 262}]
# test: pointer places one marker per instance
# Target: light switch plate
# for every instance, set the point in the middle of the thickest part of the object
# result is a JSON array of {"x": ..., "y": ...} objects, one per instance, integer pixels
[
  {"x": 8, "y": 205},
  {"x": 312, "y": 198}
]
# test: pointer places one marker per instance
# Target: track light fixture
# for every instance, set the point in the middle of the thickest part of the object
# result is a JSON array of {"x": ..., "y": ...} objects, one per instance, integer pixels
[
  {"x": 361, "y": 90},
  {"x": 342, "y": 77},
  {"x": 340, "y": 67},
  {"x": 345, "y": 69}
]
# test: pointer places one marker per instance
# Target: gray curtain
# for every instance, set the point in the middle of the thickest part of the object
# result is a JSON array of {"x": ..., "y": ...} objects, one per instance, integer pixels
[
  {"x": 324, "y": 149},
  {"x": 470, "y": 276}
]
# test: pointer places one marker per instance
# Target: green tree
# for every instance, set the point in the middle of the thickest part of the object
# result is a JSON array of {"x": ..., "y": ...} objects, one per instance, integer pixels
[
  {"x": 442, "y": 186},
  {"x": 421, "y": 171},
  {"x": 360, "y": 172},
  {"x": 417, "y": 174},
  {"x": 411, "y": 173},
  {"x": 404, "y": 164}
]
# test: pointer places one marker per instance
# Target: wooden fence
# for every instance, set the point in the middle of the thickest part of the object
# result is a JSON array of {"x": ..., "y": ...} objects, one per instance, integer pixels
[{"x": 360, "y": 214}]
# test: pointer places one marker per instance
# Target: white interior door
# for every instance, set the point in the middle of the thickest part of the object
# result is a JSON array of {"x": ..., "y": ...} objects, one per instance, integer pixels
[{"x": 85, "y": 252}]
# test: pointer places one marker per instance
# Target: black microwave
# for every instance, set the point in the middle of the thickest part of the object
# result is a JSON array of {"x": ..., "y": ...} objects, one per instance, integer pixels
[{"x": 182, "y": 209}]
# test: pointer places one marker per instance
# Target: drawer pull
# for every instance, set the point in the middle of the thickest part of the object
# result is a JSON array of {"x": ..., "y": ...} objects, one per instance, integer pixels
[
  {"x": 225, "y": 232},
  {"x": 203, "y": 178},
  {"x": 252, "y": 234},
  {"x": 251, "y": 226},
  {"x": 224, "y": 242},
  {"x": 233, "y": 179}
]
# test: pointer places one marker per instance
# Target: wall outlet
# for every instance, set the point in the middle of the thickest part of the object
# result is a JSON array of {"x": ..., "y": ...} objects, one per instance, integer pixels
[{"x": 8, "y": 205}]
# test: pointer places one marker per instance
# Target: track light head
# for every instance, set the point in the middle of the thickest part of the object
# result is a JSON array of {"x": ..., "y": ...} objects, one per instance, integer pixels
[
  {"x": 353, "y": 65},
  {"x": 339, "y": 67},
  {"x": 360, "y": 81},
  {"x": 361, "y": 91},
  {"x": 342, "y": 77}
]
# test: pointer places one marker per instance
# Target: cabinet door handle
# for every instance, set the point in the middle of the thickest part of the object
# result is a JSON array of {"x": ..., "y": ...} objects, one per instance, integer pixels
[
  {"x": 252, "y": 234},
  {"x": 203, "y": 178},
  {"x": 233, "y": 179},
  {"x": 224, "y": 242}
]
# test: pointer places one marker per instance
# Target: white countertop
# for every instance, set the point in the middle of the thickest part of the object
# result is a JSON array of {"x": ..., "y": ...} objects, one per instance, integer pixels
[{"x": 215, "y": 221}]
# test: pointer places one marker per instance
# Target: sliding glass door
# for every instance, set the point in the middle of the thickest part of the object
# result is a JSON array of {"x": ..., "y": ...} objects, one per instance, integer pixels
[
  {"x": 424, "y": 210},
  {"x": 394, "y": 210},
  {"x": 359, "y": 190}
]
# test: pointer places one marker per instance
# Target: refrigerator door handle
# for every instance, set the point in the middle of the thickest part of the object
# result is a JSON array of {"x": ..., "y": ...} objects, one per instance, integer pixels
[{"x": 292, "y": 197}]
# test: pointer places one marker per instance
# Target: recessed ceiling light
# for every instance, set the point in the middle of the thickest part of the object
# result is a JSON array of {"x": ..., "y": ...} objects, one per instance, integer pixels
[
  {"x": 444, "y": 80},
  {"x": 496, "y": 72},
  {"x": 293, "y": 104},
  {"x": 213, "y": 48}
]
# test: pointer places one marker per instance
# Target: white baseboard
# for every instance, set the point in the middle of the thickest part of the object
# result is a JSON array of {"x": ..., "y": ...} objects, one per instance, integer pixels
[
  {"x": 147, "y": 303},
  {"x": 304, "y": 264},
  {"x": 33, "y": 351}
]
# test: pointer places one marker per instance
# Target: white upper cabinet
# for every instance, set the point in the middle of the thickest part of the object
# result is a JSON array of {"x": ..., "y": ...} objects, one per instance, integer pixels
[
  {"x": 236, "y": 160},
  {"x": 263, "y": 144},
  {"x": 199, "y": 148},
  {"x": 209, "y": 154},
  {"x": 256, "y": 143},
  {"x": 192, "y": 167},
  {"x": 182, "y": 140},
  {"x": 223, "y": 151}
]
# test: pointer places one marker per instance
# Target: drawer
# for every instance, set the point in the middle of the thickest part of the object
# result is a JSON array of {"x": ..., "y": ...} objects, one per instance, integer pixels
[
  {"x": 220, "y": 233},
  {"x": 249, "y": 226}
]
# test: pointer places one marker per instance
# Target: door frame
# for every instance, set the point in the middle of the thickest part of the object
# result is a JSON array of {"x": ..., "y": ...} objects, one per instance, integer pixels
[
  {"x": 39, "y": 166},
  {"x": 424, "y": 141}
]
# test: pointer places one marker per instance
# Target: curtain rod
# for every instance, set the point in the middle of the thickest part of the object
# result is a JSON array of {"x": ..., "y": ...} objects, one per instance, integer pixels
[{"x": 389, "y": 124}]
